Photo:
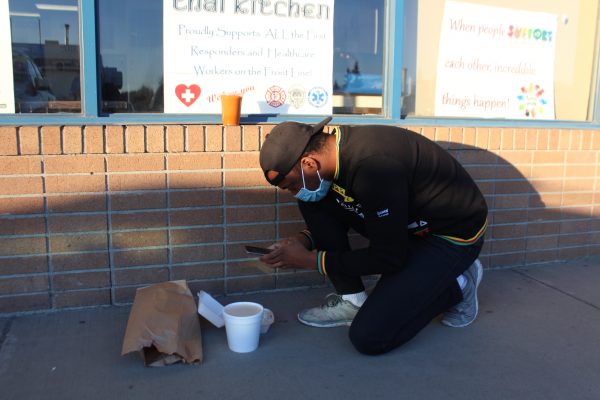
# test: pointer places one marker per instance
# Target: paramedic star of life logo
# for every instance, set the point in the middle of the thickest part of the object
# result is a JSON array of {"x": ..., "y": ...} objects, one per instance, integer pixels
[{"x": 317, "y": 97}]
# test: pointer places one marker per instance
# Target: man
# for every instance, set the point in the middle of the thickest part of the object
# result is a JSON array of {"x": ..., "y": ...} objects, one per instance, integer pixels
[{"x": 422, "y": 213}]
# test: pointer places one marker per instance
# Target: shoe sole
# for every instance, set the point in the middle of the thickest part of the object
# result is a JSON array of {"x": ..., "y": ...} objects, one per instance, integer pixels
[
  {"x": 479, "y": 276},
  {"x": 325, "y": 325}
]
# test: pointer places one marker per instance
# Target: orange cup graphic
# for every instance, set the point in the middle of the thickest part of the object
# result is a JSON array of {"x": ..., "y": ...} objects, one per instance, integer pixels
[{"x": 231, "y": 105}]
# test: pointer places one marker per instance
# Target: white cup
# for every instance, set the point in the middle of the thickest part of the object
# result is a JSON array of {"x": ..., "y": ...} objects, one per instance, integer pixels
[{"x": 242, "y": 324}]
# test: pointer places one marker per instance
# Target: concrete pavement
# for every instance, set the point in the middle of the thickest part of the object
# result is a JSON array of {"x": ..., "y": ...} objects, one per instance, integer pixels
[{"x": 537, "y": 337}]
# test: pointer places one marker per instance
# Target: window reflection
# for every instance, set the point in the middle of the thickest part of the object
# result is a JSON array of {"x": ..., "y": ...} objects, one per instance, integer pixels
[
  {"x": 45, "y": 52},
  {"x": 130, "y": 55}
]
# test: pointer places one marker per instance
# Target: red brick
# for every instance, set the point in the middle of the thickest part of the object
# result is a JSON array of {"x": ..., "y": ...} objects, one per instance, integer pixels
[
  {"x": 456, "y": 137},
  {"x": 24, "y": 265},
  {"x": 233, "y": 138},
  {"x": 542, "y": 228},
  {"x": 509, "y": 231},
  {"x": 553, "y": 137},
  {"x": 581, "y": 157},
  {"x": 20, "y": 165},
  {"x": 51, "y": 143},
  {"x": 541, "y": 256},
  {"x": 241, "y": 161},
  {"x": 250, "y": 138},
  {"x": 76, "y": 223},
  {"x": 250, "y": 196},
  {"x": 135, "y": 139},
  {"x": 138, "y": 162},
  {"x": 29, "y": 140},
  {"x": 197, "y": 235},
  {"x": 548, "y": 157},
  {"x": 469, "y": 136},
  {"x": 248, "y": 268},
  {"x": 532, "y": 139},
  {"x": 507, "y": 245},
  {"x": 115, "y": 139},
  {"x": 251, "y": 284},
  {"x": 93, "y": 140},
  {"x": 195, "y": 137},
  {"x": 133, "y": 258},
  {"x": 139, "y": 220},
  {"x": 245, "y": 178},
  {"x": 542, "y": 242},
  {"x": 137, "y": 239},
  {"x": 483, "y": 138},
  {"x": 289, "y": 213},
  {"x": 22, "y": 246},
  {"x": 192, "y": 162},
  {"x": 138, "y": 201},
  {"x": 74, "y": 164},
  {"x": 13, "y": 304},
  {"x": 196, "y": 198},
  {"x": 72, "y": 140},
  {"x": 428, "y": 132},
  {"x": 125, "y": 295},
  {"x": 216, "y": 287},
  {"x": 507, "y": 260},
  {"x": 80, "y": 261},
  {"x": 194, "y": 180},
  {"x": 129, "y": 182},
  {"x": 198, "y": 253},
  {"x": 542, "y": 140},
  {"x": 22, "y": 226},
  {"x": 21, "y": 185},
  {"x": 82, "y": 298},
  {"x": 175, "y": 140},
  {"x": 442, "y": 135},
  {"x": 155, "y": 139},
  {"x": 211, "y": 216},
  {"x": 287, "y": 229},
  {"x": 141, "y": 276},
  {"x": 198, "y": 271},
  {"x": 251, "y": 214},
  {"x": 575, "y": 142},
  {"x": 78, "y": 243},
  {"x": 8, "y": 138},
  {"x": 251, "y": 232},
  {"x": 74, "y": 183},
  {"x": 214, "y": 138},
  {"x": 81, "y": 280},
  {"x": 77, "y": 203}
]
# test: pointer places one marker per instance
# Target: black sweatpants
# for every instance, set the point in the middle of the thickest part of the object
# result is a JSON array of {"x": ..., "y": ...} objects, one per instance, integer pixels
[{"x": 404, "y": 302}]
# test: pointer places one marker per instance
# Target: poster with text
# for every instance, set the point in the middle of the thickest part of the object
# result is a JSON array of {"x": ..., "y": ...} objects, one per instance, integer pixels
[
  {"x": 495, "y": 63},
  {"x": 7, "y": 95},
  {"x": 277, "y": 54}
]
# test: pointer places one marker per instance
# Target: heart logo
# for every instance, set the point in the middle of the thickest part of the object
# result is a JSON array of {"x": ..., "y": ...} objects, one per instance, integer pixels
[{"x": 187, "y": 94}]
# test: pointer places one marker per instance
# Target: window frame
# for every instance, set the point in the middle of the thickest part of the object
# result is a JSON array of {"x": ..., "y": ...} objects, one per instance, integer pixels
[{"x": 391, "y": 110}]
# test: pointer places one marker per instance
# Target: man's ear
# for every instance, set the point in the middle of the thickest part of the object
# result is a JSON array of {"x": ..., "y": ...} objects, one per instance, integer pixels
[{"x": 309, "y": 162}]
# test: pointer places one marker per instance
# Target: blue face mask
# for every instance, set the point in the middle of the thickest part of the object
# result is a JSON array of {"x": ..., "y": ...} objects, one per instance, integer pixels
[{"x": 313, "y": 195}]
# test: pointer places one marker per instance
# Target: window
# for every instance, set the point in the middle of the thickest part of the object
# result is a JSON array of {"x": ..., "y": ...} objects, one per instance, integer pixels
[
  {"x": 570, "y": 64},
  {"x": 131, "y": 56},
  {"x": 45, "y": 56}
]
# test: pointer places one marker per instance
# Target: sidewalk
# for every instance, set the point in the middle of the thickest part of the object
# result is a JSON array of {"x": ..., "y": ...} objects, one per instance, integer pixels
[{"x": 537, "y": 337}]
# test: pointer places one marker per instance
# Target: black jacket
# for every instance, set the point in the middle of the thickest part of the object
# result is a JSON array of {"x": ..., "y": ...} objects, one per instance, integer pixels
[{"x": 390, "y": 183}]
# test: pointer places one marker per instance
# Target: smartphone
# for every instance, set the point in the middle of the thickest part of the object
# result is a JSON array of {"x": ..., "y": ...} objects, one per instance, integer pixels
[{"x": 257, "y": 250}]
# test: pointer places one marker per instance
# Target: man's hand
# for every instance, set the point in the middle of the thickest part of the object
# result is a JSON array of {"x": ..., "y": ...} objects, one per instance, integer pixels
[{"x": 291, "y": 253}]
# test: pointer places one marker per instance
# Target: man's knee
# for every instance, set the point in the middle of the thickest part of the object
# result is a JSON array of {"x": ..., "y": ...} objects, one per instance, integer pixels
[{"x": 365, "y": 342}]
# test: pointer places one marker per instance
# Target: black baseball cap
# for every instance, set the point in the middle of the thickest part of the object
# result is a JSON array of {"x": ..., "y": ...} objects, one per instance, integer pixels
[{"x": 284, "y": 146}]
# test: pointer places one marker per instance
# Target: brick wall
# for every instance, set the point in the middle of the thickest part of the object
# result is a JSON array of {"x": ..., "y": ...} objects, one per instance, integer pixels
[{"x": 88, "y": 214}]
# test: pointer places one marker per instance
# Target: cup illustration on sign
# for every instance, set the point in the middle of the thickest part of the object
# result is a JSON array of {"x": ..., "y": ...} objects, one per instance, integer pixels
[
  {"x": 187, "y": 94},
  {"x": 231, "y": 106}
]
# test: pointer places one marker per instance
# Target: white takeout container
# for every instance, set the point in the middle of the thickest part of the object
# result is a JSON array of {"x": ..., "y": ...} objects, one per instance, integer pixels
[{"x": 212, "y": 310}]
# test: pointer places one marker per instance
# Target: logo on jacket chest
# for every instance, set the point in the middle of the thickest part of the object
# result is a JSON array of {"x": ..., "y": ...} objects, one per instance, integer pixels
[{"x": 347, "y": 202}]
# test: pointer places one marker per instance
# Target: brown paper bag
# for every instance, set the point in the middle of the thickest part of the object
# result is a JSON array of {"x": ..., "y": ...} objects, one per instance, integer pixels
[{"x": 164, "y": 325}]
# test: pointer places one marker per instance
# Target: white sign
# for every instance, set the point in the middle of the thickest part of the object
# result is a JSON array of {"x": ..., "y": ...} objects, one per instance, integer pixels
[
  {"x": 7, "y": 93},
  {"x": 278, "y": 54},
  {"x": 495, "y": 63}
]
